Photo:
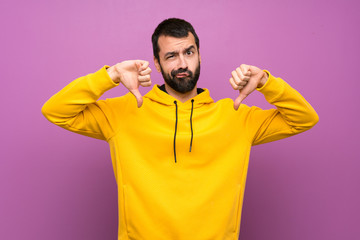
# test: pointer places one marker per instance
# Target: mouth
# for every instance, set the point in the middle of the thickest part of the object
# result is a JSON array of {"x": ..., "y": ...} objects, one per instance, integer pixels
[{"x": 182, "y": 75}]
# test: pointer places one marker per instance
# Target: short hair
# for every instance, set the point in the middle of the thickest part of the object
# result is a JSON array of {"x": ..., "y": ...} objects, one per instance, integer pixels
[{"x": 173, "y": 27}]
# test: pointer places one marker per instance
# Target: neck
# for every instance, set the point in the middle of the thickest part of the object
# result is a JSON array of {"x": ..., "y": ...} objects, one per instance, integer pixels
[{"x": 182, "y": 97}]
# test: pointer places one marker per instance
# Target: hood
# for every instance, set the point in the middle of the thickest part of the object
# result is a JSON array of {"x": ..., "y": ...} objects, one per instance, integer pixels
[{"x": 157, "y": 95}]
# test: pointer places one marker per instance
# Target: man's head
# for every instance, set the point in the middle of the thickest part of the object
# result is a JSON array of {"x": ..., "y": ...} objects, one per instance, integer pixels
[{"x": 176, "y": 54}]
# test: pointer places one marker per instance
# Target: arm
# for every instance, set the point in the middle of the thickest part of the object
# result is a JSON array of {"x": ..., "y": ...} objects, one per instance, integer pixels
[
  {"x": 293, "y": 114},
  {"x": 76, "y": 108}
]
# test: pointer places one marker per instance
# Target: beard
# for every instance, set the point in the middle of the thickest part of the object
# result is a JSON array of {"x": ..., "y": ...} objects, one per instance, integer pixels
[{"x": 183, "y": 84}]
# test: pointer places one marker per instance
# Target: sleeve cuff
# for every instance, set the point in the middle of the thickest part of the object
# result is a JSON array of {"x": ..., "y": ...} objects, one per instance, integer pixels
[
  {"x": 270, "y": 76},
  {"x": 273, "y": 88},
  {"x": 100, "y": 81},
  {"x": 105, "y": 75}
]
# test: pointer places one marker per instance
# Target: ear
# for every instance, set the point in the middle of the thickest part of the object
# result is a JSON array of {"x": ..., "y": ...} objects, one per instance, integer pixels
[
  {"x": 157, "y": 64},
  {"x": 199, "y": 55}
]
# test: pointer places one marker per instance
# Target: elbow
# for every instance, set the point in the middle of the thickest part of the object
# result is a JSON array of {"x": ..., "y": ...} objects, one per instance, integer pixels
[
  {"x": 315, "y": 119},
  {"x": 48, "y": 111},
  {"x": 45, "y": 111},
  {"x": 55, "y": 114},
  {"x": 311, "y": 120}
]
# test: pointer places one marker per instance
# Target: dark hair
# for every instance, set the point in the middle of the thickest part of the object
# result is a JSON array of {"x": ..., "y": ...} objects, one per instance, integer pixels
[{"x": 173, "y": 27}]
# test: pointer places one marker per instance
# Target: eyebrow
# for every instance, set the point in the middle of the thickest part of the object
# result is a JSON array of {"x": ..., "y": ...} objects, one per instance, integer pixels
[
  {"x": 175, "y": 52},
  {"x": 190, "y": 48}
]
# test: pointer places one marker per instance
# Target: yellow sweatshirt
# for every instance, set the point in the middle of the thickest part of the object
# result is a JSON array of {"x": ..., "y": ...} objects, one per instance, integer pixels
[{"x": 166, "y": 192}]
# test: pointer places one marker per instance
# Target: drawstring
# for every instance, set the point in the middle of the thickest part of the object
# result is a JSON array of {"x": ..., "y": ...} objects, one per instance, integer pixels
[
  {"x": 192, "y": 134},
  {"x": 176, "y": 112},
  {"x": 176, "y": 122}
]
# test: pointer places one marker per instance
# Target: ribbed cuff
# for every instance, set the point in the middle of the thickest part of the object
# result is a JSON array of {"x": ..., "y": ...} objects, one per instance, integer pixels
[
  {"x": 273, "y": 88},
  {"x": 101, "y": 81}
]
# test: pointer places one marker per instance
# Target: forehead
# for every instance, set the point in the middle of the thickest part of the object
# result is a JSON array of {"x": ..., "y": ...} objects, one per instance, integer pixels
[{"x": 171, "y": 44}]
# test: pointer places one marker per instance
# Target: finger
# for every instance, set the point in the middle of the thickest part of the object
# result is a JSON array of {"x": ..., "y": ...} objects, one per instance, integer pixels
[
  {"x": 236, "y": 78},
  {"x": 234, "y": 85},
  {"x": 143, "y": 65},
  {"x": 138, "y": 96},
  {"x": 242, "y": 76},
  {"x": 239, "y": 100},
  {"x": 138, "y": 65},
  {"x": 245, "y": 69},
  {"x": 239, "y": 72},
  {"x": 146, "y": 84},
  {"x": 146, "y": 71},
  {"x": 144, "y": 78}
]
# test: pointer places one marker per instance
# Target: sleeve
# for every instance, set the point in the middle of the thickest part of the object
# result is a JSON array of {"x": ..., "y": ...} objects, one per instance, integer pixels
[
  {"x": 76, "y": 108},
  {"x": 293, "y": 114}
]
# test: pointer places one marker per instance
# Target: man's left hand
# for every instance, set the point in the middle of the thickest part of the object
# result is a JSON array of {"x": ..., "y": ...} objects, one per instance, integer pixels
[{"x": 246, "y": 79}]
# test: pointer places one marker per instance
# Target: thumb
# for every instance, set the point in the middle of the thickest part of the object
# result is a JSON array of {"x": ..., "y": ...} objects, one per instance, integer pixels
[
  {"x": 138, "y": 97},
  {"x": 239, "y": 100}
]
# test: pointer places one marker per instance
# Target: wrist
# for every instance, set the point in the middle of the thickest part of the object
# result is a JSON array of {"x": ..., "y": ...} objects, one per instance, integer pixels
[
  {"x": 263, "y": 80},
  {"x": 113, "y": 74}
]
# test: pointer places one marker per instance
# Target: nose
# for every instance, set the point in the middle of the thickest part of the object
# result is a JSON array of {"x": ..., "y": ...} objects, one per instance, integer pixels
[{"x": 182, "y": 62}]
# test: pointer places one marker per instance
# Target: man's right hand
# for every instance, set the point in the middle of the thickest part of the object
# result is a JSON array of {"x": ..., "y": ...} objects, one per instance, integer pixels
[{"x": 132, "y": 74}]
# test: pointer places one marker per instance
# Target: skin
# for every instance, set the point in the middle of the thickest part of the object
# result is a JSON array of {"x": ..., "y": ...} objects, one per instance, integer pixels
[
  {"x": 246, "y": 79},
  {"x": 176, "y": 53}
]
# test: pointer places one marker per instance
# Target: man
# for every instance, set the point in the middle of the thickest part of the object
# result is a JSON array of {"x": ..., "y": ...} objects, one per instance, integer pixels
[{"x": 180, "y": 159}]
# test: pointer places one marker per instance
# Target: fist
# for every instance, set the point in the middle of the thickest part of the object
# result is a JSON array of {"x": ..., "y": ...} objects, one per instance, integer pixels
[
  {"x": 246, "y": 79},
  {"x": 132, "y": 74}
]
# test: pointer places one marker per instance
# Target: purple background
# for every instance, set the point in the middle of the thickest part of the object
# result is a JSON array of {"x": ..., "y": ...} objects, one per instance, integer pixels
[{"x": 58, "y": 185}]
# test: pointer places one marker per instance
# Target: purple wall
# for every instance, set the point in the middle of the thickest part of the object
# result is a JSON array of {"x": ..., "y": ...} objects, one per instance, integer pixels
[{"x": 58, "y": 185}]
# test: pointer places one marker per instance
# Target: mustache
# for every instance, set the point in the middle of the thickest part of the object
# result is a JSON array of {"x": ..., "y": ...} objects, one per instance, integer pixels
[{"x": 181, "y": 70}]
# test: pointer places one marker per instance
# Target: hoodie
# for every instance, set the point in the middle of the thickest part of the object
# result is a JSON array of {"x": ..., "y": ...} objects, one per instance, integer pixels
[{"x": 180, "y": 167}]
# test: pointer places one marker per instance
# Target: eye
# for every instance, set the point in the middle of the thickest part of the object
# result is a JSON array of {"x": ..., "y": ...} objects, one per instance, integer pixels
[
  {"x": 189, "y": 52},
  {"x": 170, "y": 56}
]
